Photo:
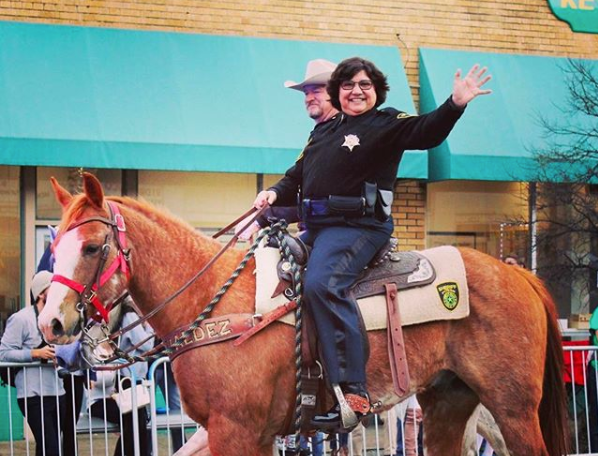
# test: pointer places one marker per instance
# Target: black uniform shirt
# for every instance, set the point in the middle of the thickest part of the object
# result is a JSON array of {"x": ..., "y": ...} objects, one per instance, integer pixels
[{"x": 347, "y": 151}]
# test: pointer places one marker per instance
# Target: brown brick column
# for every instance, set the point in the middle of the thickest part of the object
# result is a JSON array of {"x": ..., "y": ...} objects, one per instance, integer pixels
[{"x": 408, "y": 211}]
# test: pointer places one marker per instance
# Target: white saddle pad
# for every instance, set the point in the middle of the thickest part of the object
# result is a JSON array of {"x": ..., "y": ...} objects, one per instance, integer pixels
[{"x": 447, "y": 298}]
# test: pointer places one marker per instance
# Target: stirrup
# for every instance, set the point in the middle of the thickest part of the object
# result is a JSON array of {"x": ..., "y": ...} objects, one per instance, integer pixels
[{"x": 348, "y": 416}]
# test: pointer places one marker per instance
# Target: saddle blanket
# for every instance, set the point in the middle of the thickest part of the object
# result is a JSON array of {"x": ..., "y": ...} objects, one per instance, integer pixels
[{"x": 446, "y": 298}]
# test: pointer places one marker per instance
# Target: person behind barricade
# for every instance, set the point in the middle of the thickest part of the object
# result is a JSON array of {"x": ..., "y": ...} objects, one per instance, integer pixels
[
  {"x": 409, "y": 429},
  {"x": 346, "y": 175},
  {"x": 109, "y": 382},
  {"x": 40, "y": 395},
  {"x": 318, "y": 107},
  {"x": 514, "y": 260}
]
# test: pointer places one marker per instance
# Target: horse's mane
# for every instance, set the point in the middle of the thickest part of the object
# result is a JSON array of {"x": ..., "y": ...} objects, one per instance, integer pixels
[
  {"x": 79, "y": 203},
  {"x": 151, "y": 211}
]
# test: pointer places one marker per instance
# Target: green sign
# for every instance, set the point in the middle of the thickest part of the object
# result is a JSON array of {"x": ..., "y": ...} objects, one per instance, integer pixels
[{"x": 581, "y": 15}]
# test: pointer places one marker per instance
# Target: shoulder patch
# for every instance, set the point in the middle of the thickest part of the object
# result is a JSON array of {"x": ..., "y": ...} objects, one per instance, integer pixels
[{"x": 404, "y": 115}]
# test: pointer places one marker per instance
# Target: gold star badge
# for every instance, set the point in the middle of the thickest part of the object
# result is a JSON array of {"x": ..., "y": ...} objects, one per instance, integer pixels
[{"x": 350, "y": 142}]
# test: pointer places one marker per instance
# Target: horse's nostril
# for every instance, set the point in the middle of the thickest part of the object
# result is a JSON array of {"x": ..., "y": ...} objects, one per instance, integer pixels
[{"x": 57, "y": 328}]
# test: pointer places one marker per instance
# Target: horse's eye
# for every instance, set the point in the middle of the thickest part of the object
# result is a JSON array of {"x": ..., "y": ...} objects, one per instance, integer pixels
[{"x": 91, "y": 249}]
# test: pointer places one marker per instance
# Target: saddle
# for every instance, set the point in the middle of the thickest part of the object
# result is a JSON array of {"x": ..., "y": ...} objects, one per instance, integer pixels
[{"x": 404, "y": 269}]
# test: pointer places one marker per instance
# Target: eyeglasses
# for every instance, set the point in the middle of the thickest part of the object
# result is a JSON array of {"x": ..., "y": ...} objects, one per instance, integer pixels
[{"x": 364, "y": 84}]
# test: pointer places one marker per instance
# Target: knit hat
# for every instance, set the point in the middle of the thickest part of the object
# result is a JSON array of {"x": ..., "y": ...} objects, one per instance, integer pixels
[{"x": 41, "y": 281}]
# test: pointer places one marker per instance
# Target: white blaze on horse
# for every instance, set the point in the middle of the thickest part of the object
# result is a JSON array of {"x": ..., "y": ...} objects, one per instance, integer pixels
[{"x": 506, "y": 354}]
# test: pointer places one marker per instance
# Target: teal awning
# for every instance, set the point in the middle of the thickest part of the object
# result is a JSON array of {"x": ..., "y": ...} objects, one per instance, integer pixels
[
  {"x": 106, "y": 98},
  {"x": 496, "y": 137}
]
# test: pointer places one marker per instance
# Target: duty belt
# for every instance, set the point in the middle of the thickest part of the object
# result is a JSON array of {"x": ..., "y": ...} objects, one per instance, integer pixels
[{"x": 349, "y": 206}]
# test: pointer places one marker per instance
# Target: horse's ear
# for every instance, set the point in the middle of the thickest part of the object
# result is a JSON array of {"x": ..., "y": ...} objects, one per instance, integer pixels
[
  {"x": 93, "y": 190},
  {"x": 62, "y": 195}
]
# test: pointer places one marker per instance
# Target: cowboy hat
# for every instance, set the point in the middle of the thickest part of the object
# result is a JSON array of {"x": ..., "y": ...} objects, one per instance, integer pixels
[
  {"x": 41, "y": 281},
  {"x": 317, "y": 73}
]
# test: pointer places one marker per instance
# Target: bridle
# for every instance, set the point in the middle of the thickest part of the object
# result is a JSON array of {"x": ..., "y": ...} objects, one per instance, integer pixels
[{"x": 89, "y": 291}]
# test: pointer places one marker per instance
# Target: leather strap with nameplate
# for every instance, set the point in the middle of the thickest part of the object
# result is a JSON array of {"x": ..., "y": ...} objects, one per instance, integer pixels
[
  {"x": 396, "y": 343},
  {"x": 211, "y": 331}
]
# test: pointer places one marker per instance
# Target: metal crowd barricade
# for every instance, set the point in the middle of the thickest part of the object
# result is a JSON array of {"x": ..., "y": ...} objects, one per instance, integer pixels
[
  {"x": 12, "y": 438},
  {"x": 582, "y": 392},
  {"x": 94, "y": 436},
  {"x": 381, "y": 437}
]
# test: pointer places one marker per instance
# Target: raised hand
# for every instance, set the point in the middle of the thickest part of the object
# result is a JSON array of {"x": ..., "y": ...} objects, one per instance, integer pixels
[{"x": 467, "y": 88}]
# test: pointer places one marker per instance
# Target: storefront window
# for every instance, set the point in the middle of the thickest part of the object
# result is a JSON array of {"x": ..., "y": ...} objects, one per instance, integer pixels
[
  {"x": 48, "y": 208},
  {"x": 10, "y": 243},
  {"x": 205, "y": 200},
  {"x": 487, "y": 216}
]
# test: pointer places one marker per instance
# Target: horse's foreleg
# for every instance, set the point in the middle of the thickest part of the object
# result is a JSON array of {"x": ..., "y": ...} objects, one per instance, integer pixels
[{"x": 447, "y": 406}]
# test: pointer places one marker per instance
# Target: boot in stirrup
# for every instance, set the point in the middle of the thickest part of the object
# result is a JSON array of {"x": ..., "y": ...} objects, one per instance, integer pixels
[{"x": 353, "y": 404}]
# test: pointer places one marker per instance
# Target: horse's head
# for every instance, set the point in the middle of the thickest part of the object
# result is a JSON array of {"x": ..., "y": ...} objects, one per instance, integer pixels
[{"x": 91, "y": 266}]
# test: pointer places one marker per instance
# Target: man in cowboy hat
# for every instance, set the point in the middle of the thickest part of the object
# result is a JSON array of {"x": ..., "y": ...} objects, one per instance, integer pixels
[
  {"x": 319, "y": 108},
  {"x": 317, "y": 101}
]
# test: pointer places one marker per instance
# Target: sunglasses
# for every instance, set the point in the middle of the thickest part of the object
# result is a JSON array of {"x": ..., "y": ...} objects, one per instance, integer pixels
[{"x": 364, "y": 84}]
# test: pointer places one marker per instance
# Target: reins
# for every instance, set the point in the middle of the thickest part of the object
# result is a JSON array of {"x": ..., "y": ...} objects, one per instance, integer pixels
[
  {"x": 164, "y": 349},
  {"x": 111, "y": 338},
  {"x": 208, "y": 265}
]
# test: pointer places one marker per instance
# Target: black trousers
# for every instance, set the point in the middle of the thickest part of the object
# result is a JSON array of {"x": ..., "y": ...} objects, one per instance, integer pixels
[
  {"x": 338, "y": 256},
  {"x": 127, "y": 434},
  {"x": 43, "y": 417}
]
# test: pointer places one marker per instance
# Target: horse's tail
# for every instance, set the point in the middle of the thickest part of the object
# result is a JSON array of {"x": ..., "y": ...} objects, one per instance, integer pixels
[{"x": 553, "y": 405}]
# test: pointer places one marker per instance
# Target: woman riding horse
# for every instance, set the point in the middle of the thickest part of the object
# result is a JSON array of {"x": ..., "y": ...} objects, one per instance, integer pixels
[{"x": 346, "y": 175}]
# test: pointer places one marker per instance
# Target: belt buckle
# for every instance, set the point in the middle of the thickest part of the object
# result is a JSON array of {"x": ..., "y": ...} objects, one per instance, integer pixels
[{"x": 306, "y": 207}]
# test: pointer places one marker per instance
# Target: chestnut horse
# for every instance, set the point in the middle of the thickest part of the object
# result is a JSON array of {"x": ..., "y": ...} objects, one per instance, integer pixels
[{"x": 506, "y": 354}]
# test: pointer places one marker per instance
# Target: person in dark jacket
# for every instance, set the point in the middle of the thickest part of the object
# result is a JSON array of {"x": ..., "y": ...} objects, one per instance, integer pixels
[{"x": 346, "y": 174}]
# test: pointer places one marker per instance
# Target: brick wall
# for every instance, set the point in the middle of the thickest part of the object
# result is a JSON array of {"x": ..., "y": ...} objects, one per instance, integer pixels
[
  {"x": 409, "y": 215},
  {"x": 517, "y": 26}
]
